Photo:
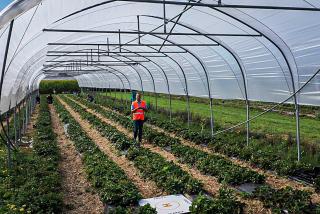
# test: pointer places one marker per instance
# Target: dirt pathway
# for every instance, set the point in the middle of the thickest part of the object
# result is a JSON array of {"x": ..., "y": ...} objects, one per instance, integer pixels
[
  {"x": 78, "y": 195},
  {"x": 273, "y": 180},
  {"x": 147, "y": 188},
  {"x": 32, "y": 123},
  {"x": 211, "y": 185}
]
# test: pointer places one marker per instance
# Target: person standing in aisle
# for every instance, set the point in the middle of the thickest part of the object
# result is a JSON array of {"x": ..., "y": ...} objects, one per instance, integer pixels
[{"x": 138, "y": 109}]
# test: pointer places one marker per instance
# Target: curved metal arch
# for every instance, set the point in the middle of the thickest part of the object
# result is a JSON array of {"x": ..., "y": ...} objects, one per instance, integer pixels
[
  {"x": 206, "y": 74},
  {"x": 288, "y": 65},
  {"x": 101, "y": 76},
  {"x": 238, "y": 60},
  {"x": 65, "y": 55},
  {"x": 222, "y": 44}
]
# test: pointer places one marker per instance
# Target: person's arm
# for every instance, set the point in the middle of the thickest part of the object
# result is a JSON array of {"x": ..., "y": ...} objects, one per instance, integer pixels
[
  {"x": 133, "y": 110},
  {"x": 144, "y": 108}
]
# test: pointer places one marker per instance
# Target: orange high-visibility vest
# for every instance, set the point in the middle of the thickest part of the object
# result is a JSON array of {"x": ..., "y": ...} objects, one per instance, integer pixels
[{"x": 139, "y": 114}]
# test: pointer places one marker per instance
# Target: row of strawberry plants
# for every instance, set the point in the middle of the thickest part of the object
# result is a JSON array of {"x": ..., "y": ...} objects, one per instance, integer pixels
[
  {"x": 268, "y": 156},
  {"x": 172, "y": 179},
  {"x": 106, "y": 176},
  {"x": 213, "y": 165},
  {"x": 210, "y": 164},
  {"x": 166, "y": 175},
  {"x": 33, "y": 184}
]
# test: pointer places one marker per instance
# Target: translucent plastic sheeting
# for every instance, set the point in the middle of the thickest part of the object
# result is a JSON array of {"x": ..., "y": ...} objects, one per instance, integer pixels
[{"x": 278, "y": 51}]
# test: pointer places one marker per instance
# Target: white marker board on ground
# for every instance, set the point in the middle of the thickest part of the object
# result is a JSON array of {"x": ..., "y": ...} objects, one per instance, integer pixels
[{"x": 171, "y": 204}]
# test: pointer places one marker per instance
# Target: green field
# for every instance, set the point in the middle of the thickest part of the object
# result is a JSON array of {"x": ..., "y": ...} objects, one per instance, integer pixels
[
  {"x": 226, "y": 115},
  {"x": 60, "y": 86}
]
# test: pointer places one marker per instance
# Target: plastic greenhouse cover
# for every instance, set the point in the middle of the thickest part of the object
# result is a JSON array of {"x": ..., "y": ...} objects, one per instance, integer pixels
[{"x": 270, "y": 66}]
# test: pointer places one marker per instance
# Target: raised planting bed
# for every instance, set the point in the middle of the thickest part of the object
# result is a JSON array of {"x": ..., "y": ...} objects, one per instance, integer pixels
[
  {"x": 165, "y": 174},
  {"x": 110, "y": 181},
  {"x": 209, "y": 164},
  {"x": 260, "y": 153},
  {"x": 33, "y": 184},
  {"x": 206, "y": 163}
]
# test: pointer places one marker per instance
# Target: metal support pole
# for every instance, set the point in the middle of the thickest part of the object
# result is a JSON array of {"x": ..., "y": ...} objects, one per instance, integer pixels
[
  {"x": 164, "y": 17},
  {"x": 211, "y": 116},
  {"x": 91, "y": 57},
  {"x": 170, "y": 104},
  {"x": 108, "y": 46},
  {"x": 139, "y": 39},
  {"x": 18, "y": 124},
  {"x": 298, "y": 131},
  {"x": 98, "y": 52},
  {"x": 156, "y": 95},
  {"x": 119, "y": 41},
  {"x": 8, "y": 122},
  {"x": 248, "y": 123},
  {"x": 27, "y": 113},
  {"x": 15, "y": 124},
  {"x": 23, "y": 117},
  {"x": 188, "y": 109},
  {"x": 8, "y": 143}
]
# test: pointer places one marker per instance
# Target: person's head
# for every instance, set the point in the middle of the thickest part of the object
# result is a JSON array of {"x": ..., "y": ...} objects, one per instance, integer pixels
[{"x": 138, "y": 97}]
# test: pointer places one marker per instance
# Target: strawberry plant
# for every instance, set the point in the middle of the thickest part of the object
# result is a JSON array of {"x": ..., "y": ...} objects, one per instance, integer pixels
[
  {"x": 33, "y": 185},
  {"x": 224, "y": 203},
  {"x": 210, "y": 164},
  {"x": 260, "y": 153},
  {"x": 153, "y": 166},
  {"x": 294, "y": 201},
  {"x": 109, "y": 179}
]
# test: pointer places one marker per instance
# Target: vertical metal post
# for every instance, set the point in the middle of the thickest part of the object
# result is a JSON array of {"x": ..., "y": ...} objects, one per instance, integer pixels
[
  {"x": 8, "y": 123},
  {"x": 26, "y": 116},
  {"x": 8, "y": 143},
  {"x": 170, "y": 105},
  {"x": 98, "y": 53},
  {"x": 108, "y": 46},
  {"x": 156, "y": 95},
  {"x": 19, "y": 125},
  {"x": 139, "y": 39},
  {"x": 248, "y": 123},
  {"x": 15, "y": 124},
  {"x": 211, "y": 116},
  {"x": 87, "y": 59},
  {"x": 298, "y": 131},
  {"x": 188, "y": 109},
  {"x": 164, "y": 17},
  {"x": 119, "y": 41},
  {"x": 91, "y": 57}
]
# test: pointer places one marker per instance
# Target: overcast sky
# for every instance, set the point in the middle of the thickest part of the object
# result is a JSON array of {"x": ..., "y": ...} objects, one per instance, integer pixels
[{"x": 4, "y": 3}]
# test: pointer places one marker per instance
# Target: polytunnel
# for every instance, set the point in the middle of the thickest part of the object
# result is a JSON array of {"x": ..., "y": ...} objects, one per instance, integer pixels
[{"x": 253, "y": 51}]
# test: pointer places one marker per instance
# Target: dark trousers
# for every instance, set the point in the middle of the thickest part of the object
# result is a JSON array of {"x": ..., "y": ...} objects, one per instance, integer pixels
[{"x": 137, "y": 129}]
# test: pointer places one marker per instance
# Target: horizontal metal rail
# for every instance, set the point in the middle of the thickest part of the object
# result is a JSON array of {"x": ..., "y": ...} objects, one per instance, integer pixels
[
  {"x": 134, "y": 45},
  {"x": 149, "y": 33}
]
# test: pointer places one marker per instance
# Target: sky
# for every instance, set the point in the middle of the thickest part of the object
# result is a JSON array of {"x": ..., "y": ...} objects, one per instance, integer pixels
[{"x": 4, "y": 3}]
